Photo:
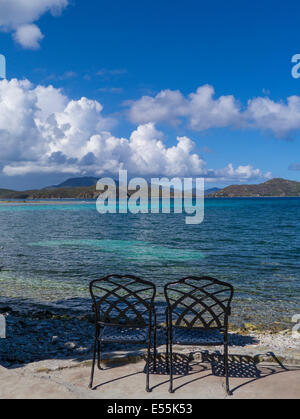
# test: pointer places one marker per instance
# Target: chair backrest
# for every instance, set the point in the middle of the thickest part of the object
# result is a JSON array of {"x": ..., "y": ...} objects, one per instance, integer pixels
[
  {"x": 199, "y": 302},
  {"x": 123, "y": 300}
]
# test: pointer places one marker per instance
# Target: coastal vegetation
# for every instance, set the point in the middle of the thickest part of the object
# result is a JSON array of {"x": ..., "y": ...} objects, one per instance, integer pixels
[
  {"x": 73, "y": 190},
  {"x": 271, "y": 188}
]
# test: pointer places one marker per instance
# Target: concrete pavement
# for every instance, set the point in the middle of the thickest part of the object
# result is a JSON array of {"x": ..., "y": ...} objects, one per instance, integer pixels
[{"x": 69, "y": 380}]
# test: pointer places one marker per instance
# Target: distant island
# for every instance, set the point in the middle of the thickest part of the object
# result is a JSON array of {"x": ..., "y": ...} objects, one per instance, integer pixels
[
  {"x": 82, "y": 192},
  {"x": 85, "y": 188},
  {"x": 76, "y": 182},
  {"x": 211, "y": 191},
  {"x": 272, "y": 188}
]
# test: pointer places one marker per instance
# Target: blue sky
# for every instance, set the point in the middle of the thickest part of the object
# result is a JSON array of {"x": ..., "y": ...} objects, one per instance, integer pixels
[{"x": 116, "y": 53}]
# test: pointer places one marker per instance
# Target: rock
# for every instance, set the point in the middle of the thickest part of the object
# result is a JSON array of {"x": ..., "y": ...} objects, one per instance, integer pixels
[
  {"x": 249, "y": 326},
  {"x": 5, "y": 309},
  {"x": 285, "y": 332},
  {"x": 55, "y": 339},
  {"x": 70, "y": 345}
]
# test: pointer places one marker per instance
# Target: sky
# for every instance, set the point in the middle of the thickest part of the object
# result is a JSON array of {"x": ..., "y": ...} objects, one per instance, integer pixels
[{"x": 160, "y": 88}]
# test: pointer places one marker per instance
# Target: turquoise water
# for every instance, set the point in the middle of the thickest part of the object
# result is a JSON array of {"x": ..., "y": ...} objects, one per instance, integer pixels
[
  {"x": 127, "y": 249},
  {"x": 50, "y": 252}
]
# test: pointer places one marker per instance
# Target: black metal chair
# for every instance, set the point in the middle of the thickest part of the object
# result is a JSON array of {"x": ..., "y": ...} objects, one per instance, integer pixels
[
  {"x": 197, "y": 314},
  {"x": 124, "y": 313}
]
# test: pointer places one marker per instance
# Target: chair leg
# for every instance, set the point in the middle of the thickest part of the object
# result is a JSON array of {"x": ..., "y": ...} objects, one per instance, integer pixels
[
  {"x": 93, "y": 364},
  {"x": 155, "y": 350},
  {"x": 171, "y": 390},
  {"x": 148, "y": 367},
  {"x": 167, "y": 352},
  {"x": 226, "y": 368},
  {"x": 99, "y": 356}
]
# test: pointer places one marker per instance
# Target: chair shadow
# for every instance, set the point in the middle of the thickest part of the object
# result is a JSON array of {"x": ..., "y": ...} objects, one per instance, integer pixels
[
  {"x": 181, "y": 365},
  {"x": 240, "y": 366}
]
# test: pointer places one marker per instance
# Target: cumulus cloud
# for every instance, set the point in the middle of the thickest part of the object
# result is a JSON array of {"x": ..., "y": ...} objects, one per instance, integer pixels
[
  {"x": 241, "y": 173},
  {"x": 206, "y": 112},
  {"x": 202, "y": 110},
  {"x": 18, "y": 16},
  {"x": 167, "y": 106},
  {"x": 43, "y": 131},
  {"x": 29, "y": 36},
  {"x": 278, "y": 117}
]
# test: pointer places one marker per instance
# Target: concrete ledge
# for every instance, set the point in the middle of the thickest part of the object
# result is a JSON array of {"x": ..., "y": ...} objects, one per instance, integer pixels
[
  {"x": 70, "y": 381},
  {"x": 119, "y": 358}
]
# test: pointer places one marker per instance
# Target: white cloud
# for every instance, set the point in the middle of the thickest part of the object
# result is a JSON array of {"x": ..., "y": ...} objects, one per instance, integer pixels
[
  {"x": 18, "y": 16},
  {"x": 278, "y": 117},
  {"x": 43, "y": 131},
  {"x": 200, "y": 108},
  {"x": 167, "y": 106},
  {"x": 19, "y": 136},
  {"x": 241, "y": 173},
  {"x": 150, "y": 156},
  {"x": 202, "y": 111},
  {"x": 29, "y": 36},
  {"x": 49, "y": 101},
  {"x": 206, "y": 112}
]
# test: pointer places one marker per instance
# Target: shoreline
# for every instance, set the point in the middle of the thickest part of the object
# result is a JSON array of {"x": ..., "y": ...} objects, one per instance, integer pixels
[
  {"x": 62, "y": 335},
  {"x": 251, "y": 197},
  {"x": 79, "y": 306},
  {"x": 49, "y": 202},
  {"x": 63, "y": 201}
]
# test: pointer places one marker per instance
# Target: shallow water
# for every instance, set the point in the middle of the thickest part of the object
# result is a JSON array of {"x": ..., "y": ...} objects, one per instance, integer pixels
[{"x": 51, "y": 252}]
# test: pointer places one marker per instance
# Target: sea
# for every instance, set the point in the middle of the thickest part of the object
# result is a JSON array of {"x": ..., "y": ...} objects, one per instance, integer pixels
[{"x": 50, "y": 251}]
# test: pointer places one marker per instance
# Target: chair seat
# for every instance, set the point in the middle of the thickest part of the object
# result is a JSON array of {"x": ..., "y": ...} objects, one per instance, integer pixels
[
  {"x": 197, "y": 336},
  {"x": 124, "y": 335}
]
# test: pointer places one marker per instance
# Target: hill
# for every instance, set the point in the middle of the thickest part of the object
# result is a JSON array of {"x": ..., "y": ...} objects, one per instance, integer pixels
[
  {"x": 271, "y": 188},
  {"x": 211, "y": 191},
  {"x": 59, "y": 193},
  {"x": 5, "y": 192},
  {"x": 76, "y": 182}
]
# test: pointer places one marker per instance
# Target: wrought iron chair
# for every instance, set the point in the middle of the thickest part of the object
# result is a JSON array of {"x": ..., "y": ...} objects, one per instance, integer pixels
[
  {"x": 124, "y": 313},
  {"x": 197, "y": 314}
]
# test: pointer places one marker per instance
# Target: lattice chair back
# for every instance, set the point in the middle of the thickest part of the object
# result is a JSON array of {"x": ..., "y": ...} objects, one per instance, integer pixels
[
  {"x": 199, "y": 302},
  {"x": 123, "y": 301}
]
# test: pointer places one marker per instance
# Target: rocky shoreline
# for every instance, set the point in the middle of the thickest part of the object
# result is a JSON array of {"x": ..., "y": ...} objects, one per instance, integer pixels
[{"x": 38, "y": 334}]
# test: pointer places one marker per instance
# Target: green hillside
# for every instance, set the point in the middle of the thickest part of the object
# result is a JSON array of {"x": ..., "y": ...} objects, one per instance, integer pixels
[{"x": 271, "y": 188}]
